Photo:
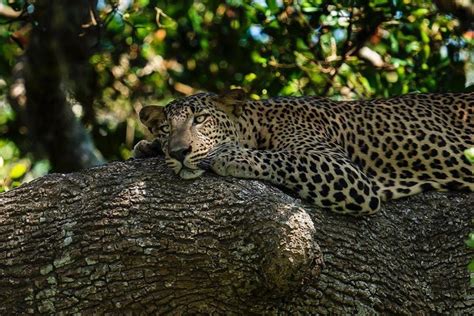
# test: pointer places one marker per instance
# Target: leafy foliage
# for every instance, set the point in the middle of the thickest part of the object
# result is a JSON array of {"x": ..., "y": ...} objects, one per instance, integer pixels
[{"x": 155, "y": 50}]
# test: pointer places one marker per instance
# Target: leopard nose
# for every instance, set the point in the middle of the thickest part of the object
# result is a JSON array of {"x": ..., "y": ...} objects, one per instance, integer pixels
[{"x": 180, "y": 153}]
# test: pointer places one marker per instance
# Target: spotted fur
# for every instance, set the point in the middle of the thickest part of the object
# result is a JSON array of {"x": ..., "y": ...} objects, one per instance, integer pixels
[{"x": 346, "y": 156}]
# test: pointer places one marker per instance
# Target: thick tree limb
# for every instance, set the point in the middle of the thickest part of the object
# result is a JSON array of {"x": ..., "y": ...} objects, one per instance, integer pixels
[{"x": 131, "y": 237}]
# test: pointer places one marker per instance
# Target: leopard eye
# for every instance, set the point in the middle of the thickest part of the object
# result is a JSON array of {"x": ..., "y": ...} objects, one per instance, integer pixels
[
  {"x": 165, "y": 128},
  {"x": 200, "y": 118}
]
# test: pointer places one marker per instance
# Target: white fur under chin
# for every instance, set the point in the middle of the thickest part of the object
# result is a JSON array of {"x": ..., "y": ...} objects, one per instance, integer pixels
[{"x": 189, "y": 174}]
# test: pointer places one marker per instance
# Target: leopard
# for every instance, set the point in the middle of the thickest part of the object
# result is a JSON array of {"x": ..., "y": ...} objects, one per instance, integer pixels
[{"x": 345, "y": 156}]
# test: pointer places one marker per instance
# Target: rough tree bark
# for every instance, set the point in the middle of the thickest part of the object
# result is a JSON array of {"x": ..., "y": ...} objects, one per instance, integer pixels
[{"x": 131, "y": 237}]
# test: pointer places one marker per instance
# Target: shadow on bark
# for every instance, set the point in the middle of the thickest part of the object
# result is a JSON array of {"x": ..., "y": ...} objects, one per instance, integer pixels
[{"x": 132, "y": 238}]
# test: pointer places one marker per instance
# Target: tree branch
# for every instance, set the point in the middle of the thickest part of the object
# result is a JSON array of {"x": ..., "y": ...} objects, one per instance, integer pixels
[
  {"x": 132, "y": 238},
  {"x": 8, "y": 12}
]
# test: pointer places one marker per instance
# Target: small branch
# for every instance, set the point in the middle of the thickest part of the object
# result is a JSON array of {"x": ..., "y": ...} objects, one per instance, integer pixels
[
  {"x": 8, "y": 12},
  {"x": 372, "y": 56}
]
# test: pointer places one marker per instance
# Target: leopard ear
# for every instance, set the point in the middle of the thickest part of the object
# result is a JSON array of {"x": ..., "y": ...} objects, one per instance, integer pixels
[
  {"x": 232, "y": 102},
  {"x": 151, "y": 116}
]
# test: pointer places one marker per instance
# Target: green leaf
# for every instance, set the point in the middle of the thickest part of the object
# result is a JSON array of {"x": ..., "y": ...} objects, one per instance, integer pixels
[
  {"x": 379, "y": 2},
  {"x": 420, "y": 12},
  {"x": 8, "y": 149},
  {"x": 257, "y": 58},
  {"x": 310, "y": 9},
  {"x": 18, "y": 170},
  {"x": 40, "y": 168},
  {"x": 391, "y": 76},
  {"x": 469, "y": 153},
  {"x": 16, "y": 184},
  {"x": 273, "y": 6},
  {"x": 470, "y": 243},
  {"x": 394, "y": 45},
  {"x": 116, "y": 24},
  {"x": 235, "y": 3},
  {"x": 143, "y": 3},
  {"x": 470, "y": 267},
  {"x": 301, "y": 45},
  {"x": 413, "y": 47},
  {"x": 250, "y": 77}
]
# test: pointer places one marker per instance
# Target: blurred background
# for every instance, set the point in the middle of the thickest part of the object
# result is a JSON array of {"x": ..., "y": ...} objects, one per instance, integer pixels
[{"x": 73, "y": 74}]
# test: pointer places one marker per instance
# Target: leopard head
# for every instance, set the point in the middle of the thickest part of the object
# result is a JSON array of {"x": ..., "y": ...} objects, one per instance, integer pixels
[{"x": 188, "y": 128}]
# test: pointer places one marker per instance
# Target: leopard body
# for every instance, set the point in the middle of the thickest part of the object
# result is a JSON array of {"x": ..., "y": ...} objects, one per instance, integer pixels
[{"x": 347, "y": 156}]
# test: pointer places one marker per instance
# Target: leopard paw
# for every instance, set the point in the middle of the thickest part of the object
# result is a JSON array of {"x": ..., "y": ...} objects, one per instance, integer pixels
[{"x": 147, "y": 149}]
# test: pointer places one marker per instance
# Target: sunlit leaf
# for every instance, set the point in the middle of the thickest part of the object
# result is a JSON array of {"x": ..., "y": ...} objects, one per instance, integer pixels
[
  {"x": 273, "y": 6},
  {"x": 143, "y": 3},
  {"x": 420, "y": 12},
  {"x": 18, "y": 170},
  {"x": 470, "y": 267},
  {"x": 257, "y": 58},
  {"x": 470, "y": 154},
  {"x": 413, "y": 47},
  {"x": 310, "y": 9}
]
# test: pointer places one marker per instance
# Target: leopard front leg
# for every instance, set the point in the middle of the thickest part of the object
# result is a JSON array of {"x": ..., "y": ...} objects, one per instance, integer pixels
[
  {"x": 323, "y": 175},
  {"x": 230, "y": 160}
]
